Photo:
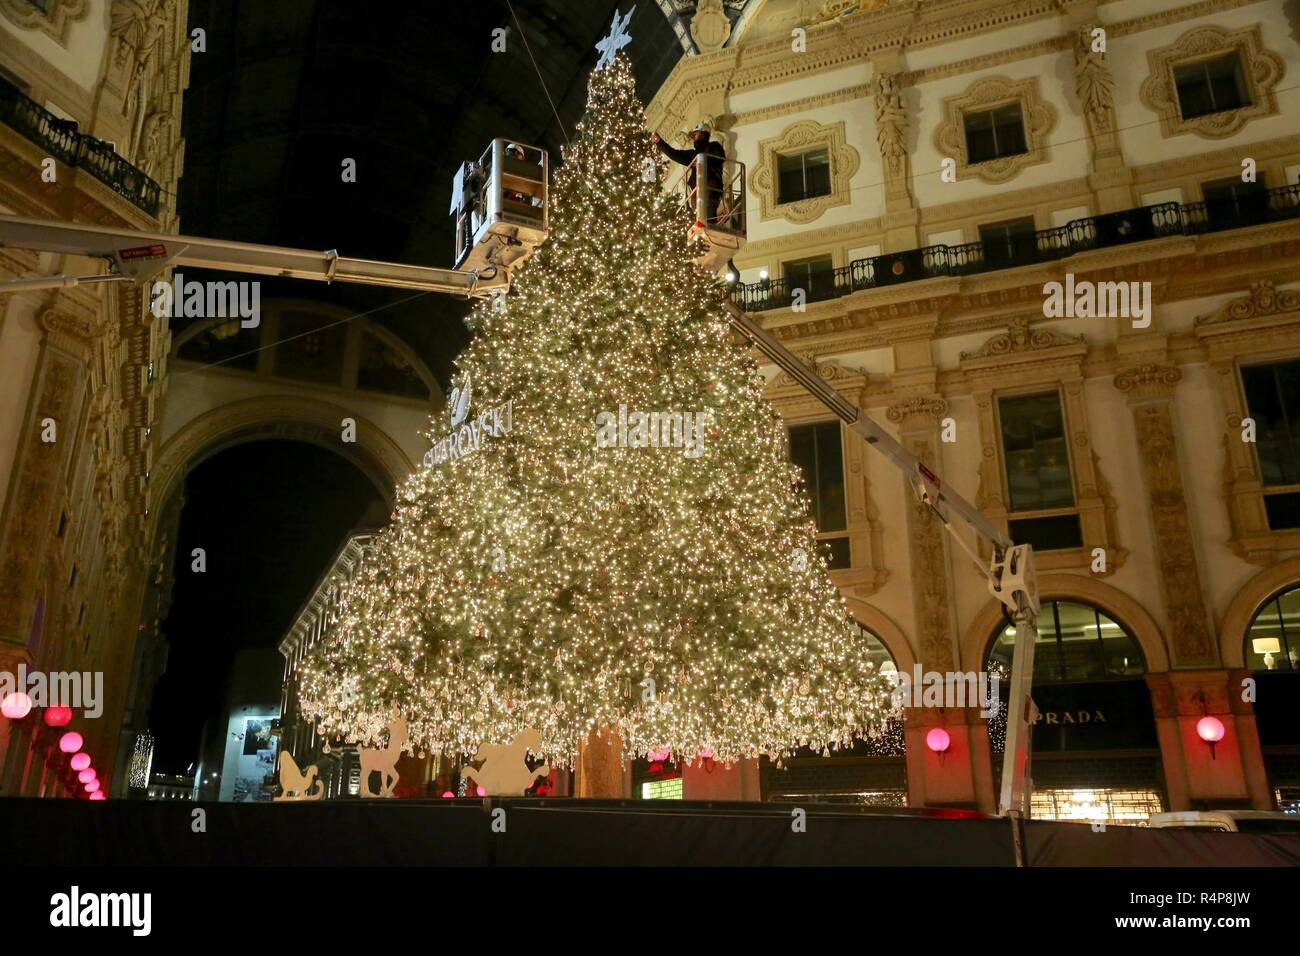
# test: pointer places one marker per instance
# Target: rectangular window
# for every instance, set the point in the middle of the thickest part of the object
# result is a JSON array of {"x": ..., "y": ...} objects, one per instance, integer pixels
[
  {"x": 803, "y": 175},
  {"x": 1211, "y": 86},
  {"x": 1230, "y": 203},
  {"x": 1040, "y": 488},
  {"x": 994, "y": 133},
  {"x": 815, "y": 276},
  {"x": 1273, "y": 401},
  {"x": 817, "y": 450},
  {"x": 1010, "y": 241}
]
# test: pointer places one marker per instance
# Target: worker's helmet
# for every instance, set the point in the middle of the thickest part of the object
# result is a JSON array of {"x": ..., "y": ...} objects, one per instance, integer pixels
[{"x": 701, "y": 128}]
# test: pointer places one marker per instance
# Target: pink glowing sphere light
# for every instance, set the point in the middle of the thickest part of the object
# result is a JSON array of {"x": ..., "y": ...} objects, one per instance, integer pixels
[
  {"x": 80, "y": 761},
  {"x": 16, "y": 706},
  {"x": 92, "y": 787},
  {"x": 87, "y": 775},
  {"x": 98, "y": 795},
  {"x": 70, "y": 742},
  {"x": 1210, "y": 729},
  {"x": 58, "y": 716},
  {"x": 938, "y": 740}
]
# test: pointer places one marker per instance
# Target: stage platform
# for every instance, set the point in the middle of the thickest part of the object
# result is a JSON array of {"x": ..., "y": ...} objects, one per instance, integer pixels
[{"x": 568, "y": 832}]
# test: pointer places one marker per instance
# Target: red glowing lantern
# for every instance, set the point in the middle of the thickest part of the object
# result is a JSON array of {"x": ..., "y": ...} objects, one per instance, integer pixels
[
  {"x": 16, "y": 706},
  {"x": 98, "y": 795},
  {"x": 80, "y": 761},
  {"x": 938, "y": 740},
  {"x": 87, "y": 775},
  {"x": 92, "y": 787},
  {"x": 70, "y": 742},
  {"x": 1210, "y": 729},
  {"x": 58, "y": 716}
]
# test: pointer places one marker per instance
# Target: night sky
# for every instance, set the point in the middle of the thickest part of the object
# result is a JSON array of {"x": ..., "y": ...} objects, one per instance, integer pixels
[{"x": 270, "y": 515}]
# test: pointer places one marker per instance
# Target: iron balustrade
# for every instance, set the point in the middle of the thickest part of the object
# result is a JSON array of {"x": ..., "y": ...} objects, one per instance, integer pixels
[
  {"x": 1080, "y": 235},
  {"x": 62, "y": 141}
]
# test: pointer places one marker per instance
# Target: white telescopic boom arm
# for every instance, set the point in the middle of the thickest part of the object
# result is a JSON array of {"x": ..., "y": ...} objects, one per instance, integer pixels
[
  {"x": 1011, "y": 574},
  {"x": 141, "y": 255}
]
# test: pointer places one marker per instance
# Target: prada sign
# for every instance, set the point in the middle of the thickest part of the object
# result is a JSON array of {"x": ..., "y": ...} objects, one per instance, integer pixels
[{"x": 1105, "y": 715}]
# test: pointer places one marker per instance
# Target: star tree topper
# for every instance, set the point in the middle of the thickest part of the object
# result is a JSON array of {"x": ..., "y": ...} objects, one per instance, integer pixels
[{"x": 617, "y": 39}]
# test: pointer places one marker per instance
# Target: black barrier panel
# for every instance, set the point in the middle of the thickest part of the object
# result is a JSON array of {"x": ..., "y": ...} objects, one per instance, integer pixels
[
  {"x": 1078, "y": 844},
  {"x": 460, "y": 833},
  {"x": 548, "y": 832}
]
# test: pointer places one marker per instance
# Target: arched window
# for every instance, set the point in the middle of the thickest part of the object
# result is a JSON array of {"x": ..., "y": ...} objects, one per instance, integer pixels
[
  {"x": 1076, "y": 642},
  {"x": 1273, "y": 638}
]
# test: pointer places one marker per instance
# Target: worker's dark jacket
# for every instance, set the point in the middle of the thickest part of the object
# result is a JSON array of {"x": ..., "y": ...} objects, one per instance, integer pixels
[{"x": 712, "y": 167}]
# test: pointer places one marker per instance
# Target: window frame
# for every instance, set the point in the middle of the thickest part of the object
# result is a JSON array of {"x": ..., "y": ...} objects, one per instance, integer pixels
[
  {"x": 1247, "y": 651},
  {"x": 1239, "y": 75},
  {"x": 1032, "y": 513},
  {"x": 1284, "y": 488},
  {"x": 1050, "y": 610},
  {"x": 802, "y": 154},
  {"x": 992, "y": 110},
  {"x": 814, "y": 491}
]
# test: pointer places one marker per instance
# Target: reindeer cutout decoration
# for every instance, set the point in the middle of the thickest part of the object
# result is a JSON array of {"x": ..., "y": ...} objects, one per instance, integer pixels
[
  {"x": 296, "y": 785},
  {"x": 383, "y": 761},
  {"x": 504, "y": 771}
]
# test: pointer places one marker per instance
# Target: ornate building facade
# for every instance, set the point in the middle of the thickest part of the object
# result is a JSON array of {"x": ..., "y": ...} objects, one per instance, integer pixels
[
  {"x": 919, "y": 174},
  {"x": 90, "y": 109}
]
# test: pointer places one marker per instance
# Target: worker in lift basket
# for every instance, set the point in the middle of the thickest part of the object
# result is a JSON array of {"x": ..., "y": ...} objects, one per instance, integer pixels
[
  {"x": 716, "y": 155},
  {"x": 702, "y": 145}
]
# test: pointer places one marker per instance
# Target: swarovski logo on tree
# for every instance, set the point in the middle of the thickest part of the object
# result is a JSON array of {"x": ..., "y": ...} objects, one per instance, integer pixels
[{"x": 627, "y": 565}]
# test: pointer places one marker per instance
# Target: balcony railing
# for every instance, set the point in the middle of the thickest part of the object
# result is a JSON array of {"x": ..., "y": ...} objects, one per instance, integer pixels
[
  {"x": 1080, "y": 235},
  {"x": 62, "y": 141}
]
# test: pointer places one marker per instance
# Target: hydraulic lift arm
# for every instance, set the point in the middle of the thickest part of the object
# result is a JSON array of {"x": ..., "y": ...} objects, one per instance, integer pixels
[
  {"x": 140, "y": 256},
  {"x": 1010, "y": 574}
]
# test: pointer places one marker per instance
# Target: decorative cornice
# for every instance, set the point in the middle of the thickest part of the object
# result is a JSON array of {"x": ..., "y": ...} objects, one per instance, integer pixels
[
  {"x": 1020, "y": 337},
  {"x": 1263, "y": 299},
  {"x": 931, "y": 406},
  {"x": 1148, "y": 380}
]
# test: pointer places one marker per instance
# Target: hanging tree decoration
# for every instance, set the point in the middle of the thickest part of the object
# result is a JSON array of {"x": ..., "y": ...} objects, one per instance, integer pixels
[{"x": 644, "y": 500}]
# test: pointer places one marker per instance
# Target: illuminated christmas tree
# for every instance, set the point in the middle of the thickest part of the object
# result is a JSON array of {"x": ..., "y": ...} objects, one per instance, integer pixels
[{"x": 608, "y": 531}]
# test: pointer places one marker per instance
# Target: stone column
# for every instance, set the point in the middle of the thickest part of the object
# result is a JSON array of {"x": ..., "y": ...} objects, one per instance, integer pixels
[
  {"x": 1149, "y": 388},
  {"x": 1231, "y": 774},
  {"x": 901, "y": 216},
  {"x": 600, "y": 771},
  {"x": 962, "y": 776},
  {"x": 1111, "y": 180}
]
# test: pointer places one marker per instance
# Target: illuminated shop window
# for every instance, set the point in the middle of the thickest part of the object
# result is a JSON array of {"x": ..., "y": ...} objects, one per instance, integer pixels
[
  {"x": 670, "y": 789},
  {"x": 1076, "y": 642},
  {"x": 1273, "y": 638},
  {"x": 1111, "y": 805}
]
